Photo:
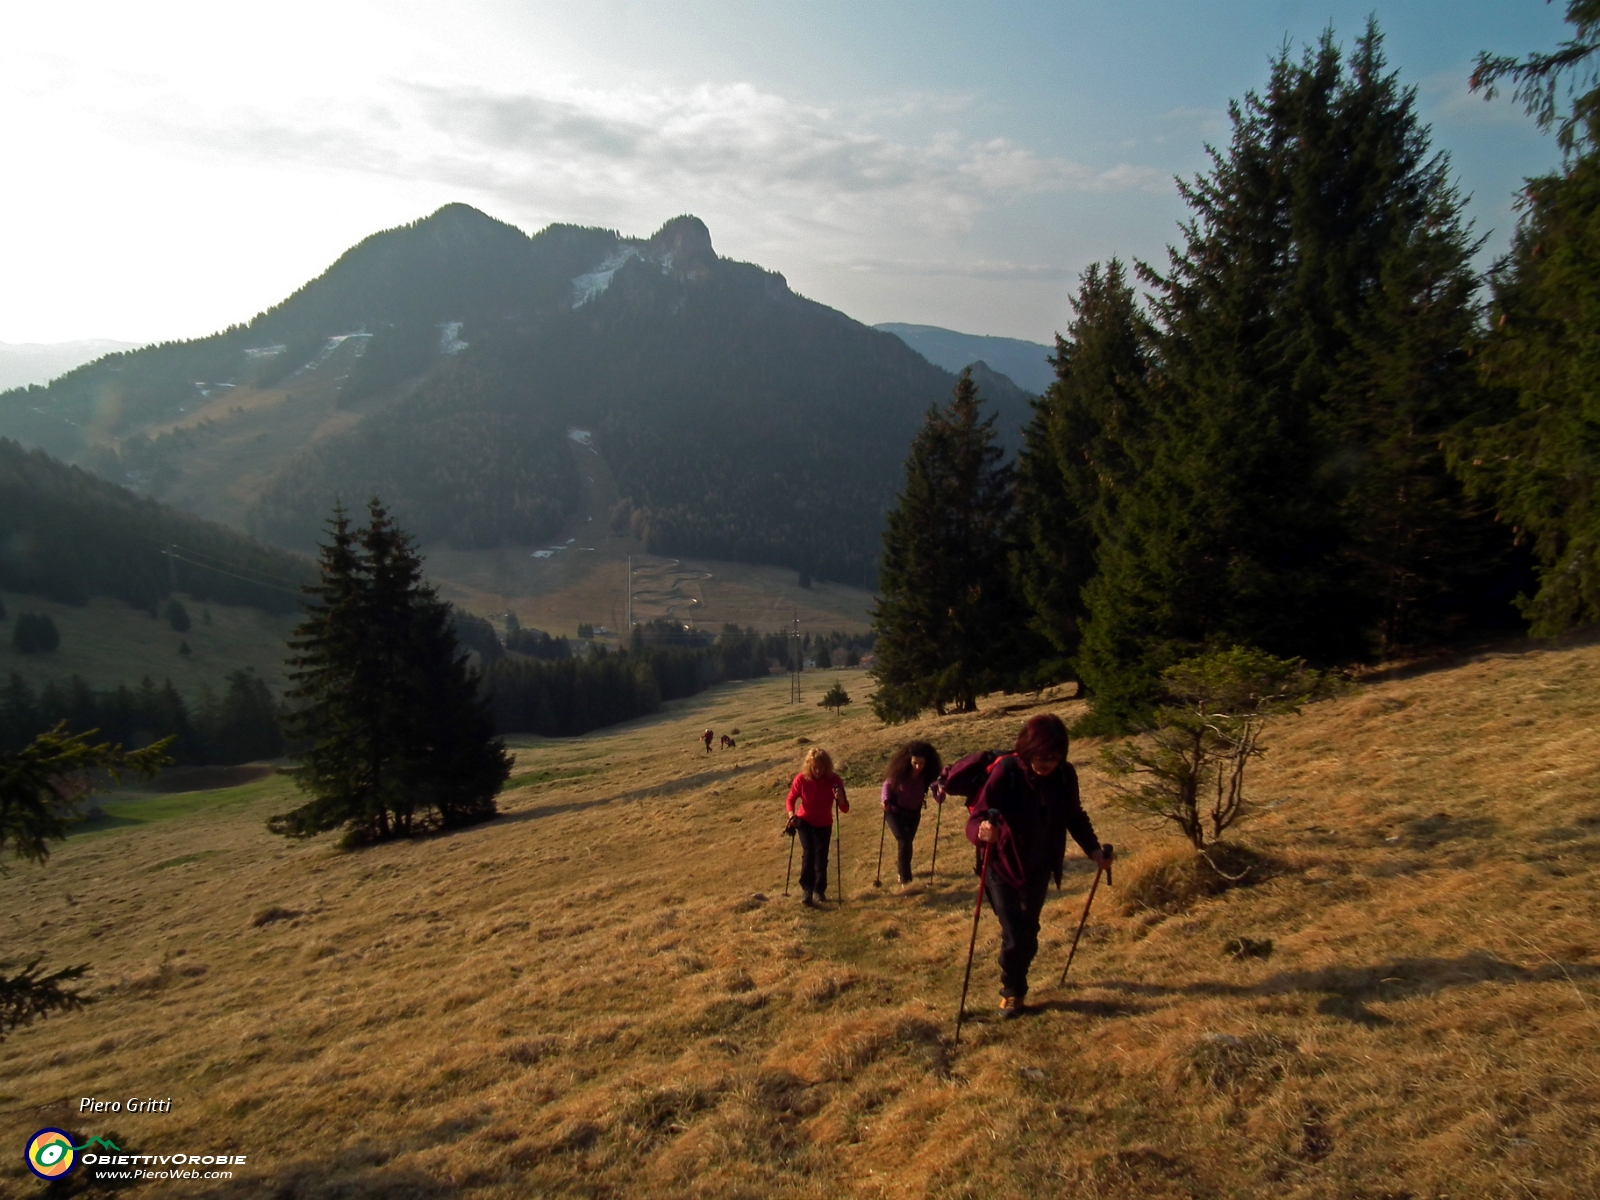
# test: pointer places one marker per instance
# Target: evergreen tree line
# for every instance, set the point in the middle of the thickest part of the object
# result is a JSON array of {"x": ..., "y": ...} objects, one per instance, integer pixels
[
  {"x": 563, "y": 696},
  {"x": 533, "y": 642},
  {"x": 242, "y": 725},
  {"x": 1309, "y": 436},
  {"x": 67, "y": 535},
  {"x": 560, "y": 697}
]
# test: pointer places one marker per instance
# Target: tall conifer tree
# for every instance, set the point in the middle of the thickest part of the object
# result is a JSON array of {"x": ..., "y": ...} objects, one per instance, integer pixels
[
  {"x": 949, "y": 619},
  {"x": 1538, "y": 456},
  {"x": 1312, "y": 351},
  {"x": 400, "y": 734},
  {"x": 1079, "y": 454}
]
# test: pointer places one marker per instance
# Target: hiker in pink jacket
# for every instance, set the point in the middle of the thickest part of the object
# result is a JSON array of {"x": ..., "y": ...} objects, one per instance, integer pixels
[{"x": 810, "y": 805}]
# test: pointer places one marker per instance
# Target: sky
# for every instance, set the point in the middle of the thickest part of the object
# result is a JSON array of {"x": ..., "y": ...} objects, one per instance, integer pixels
[{"x": 171, "y": 169}]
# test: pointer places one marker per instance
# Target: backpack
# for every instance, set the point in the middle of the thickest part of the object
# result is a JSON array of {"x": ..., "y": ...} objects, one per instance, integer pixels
[{"x": 966, "y": 776}]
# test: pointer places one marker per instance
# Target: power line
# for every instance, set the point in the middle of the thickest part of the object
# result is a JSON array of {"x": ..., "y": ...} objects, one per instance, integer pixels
[
  {"x": 167, "y": 546},
  {"x": 299, "y": 595},
  {"x": 238, "y": 566}
]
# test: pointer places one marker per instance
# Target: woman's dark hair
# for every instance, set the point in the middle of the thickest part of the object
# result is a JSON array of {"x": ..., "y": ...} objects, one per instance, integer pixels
[
  {"x": 900, "y": 764},
  {"x": 1044, "y": 734}
]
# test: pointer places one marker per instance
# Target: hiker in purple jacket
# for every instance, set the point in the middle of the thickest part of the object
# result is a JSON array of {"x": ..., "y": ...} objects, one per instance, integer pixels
[
  {"x": 1027, "y": 806},
  {"x": 912, "y": 770}
]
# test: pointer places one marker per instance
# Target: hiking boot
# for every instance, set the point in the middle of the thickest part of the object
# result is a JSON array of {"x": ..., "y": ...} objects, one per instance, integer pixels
[
  {"x": 1010, "y": 1007},
  {"x": 809, "y": 902}
]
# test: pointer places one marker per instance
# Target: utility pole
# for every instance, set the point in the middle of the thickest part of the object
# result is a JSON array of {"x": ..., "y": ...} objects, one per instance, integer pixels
[{"x": 794, "y": 661}]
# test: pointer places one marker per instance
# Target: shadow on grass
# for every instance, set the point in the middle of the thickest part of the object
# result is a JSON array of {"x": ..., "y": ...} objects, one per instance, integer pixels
[
  {"x": 122, "y": 812},
  {"x": 1514, "y": 646},
  {"x": 1104, "y": 1009},
  {"x": 534, "y": 814},
  {"x": 1346, "y": 991}
]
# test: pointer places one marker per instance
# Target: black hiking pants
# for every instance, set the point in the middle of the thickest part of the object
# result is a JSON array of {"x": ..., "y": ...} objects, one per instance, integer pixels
[
  {"x": 1018, "y": 911},
  {"x": 904, "y": 827},
  {"x": 814, "y": 841}
]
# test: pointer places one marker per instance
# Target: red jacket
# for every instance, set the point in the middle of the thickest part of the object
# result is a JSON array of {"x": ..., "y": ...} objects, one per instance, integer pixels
[{"x": 815, "y": 798}]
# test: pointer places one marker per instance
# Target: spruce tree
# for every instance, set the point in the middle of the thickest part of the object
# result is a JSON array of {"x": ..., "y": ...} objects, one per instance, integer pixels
[
  {"x": 41, "y": 786},
  {"x": 1080, "y": 452},
  {"x": 949, "y": 618},
  {"x": 1537, "y": 456},
  {"x": 400, "y": 736},
  {"x": 1313, "y": 330}
]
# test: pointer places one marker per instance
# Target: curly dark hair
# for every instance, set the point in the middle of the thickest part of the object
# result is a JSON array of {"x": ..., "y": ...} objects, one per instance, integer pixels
[
  {"x": 900, "y": 765},
  {"x": 1044, "y": 734}
]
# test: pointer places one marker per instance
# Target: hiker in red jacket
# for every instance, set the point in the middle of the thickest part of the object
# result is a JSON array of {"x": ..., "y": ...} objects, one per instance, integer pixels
[
  {"x": 911, "y": 772},
  {"x": 810, "y": 803},
  {"x": 1026, "y": 808},
  {"x": 706, "y": 738}
]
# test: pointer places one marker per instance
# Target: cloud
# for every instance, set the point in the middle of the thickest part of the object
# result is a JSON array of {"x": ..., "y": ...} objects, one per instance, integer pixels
[
  {"x": 963, "y": 268},
  {"x": 576, "y": 151},
  {"x": 1447, "y": 96}
]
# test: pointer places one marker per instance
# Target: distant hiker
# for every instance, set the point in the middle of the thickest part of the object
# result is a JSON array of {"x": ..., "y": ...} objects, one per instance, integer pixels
[
  {"x": 706, "y": 738},
  {"x": 810, "y": 804},
  {"x": 912, "y": 770},
  {"x": 727, "y": 742},
  {"x": 1023, "y": 813}
]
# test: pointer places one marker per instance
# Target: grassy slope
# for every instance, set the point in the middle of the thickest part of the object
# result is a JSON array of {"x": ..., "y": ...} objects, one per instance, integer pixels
[
  {"x": 107, "y": 643},
  {"x": 584, "y": 998}
]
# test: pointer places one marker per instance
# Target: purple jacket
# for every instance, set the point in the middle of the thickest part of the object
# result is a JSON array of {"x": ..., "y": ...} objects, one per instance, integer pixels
[{"x": 907, "y": 795}]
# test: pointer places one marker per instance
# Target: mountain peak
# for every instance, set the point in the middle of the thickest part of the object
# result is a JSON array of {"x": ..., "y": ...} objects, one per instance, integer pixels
[{"x": 683, "y": 245}]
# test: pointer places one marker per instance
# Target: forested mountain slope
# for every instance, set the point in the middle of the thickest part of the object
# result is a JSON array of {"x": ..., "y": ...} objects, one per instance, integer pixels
[
  {"x": 444, "y": 364},
  {"x": 68, "y": 535}
]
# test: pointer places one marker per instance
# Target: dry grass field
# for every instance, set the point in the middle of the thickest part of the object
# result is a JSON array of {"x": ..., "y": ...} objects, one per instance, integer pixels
[
  {"x": 604, "y": 993},
  {"x": 108, "y": 643}
]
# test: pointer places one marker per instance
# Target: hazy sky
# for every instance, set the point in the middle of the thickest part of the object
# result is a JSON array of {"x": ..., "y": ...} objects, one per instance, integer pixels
[{"x": 171, "y": 169}]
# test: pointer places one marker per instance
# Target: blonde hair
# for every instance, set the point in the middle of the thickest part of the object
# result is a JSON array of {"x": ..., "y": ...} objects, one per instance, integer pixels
[{"x": 818, "y": 763}]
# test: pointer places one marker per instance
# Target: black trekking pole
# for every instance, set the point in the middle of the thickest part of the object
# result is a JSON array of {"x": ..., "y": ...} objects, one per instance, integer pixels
[
  {"x": 789, "y": 829},
  {"x": 934, "y": 865},
  {"x": 983, "y": 879},
  {"x": 877, "y": 882},
  {"x": 1106, "y": 869},
  {"x": 838, "y": 851}
]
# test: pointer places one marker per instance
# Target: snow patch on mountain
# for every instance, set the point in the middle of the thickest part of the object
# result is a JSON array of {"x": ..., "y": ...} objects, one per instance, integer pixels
[
  {"x": 586, "y": 287},
  {"x": 449, "y": 337}
]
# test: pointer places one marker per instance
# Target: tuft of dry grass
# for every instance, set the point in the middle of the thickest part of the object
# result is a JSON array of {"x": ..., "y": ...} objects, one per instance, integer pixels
[
  {"x": 586, "y": 997},
  {"x": 1171, "y": 878}
]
